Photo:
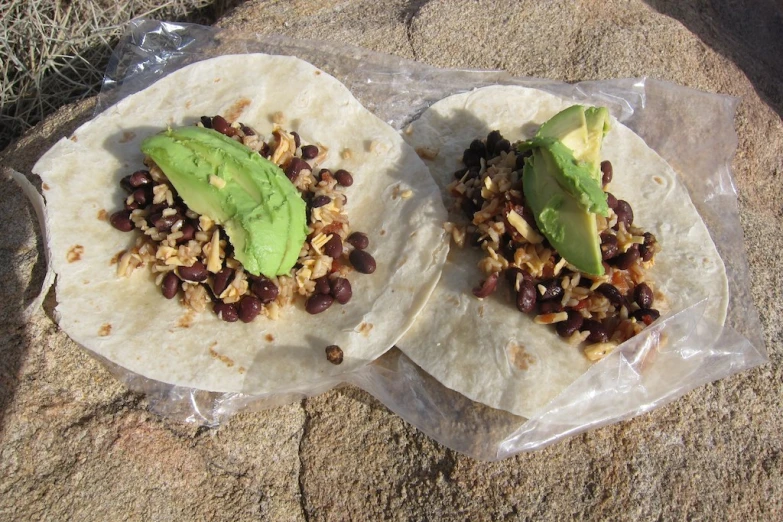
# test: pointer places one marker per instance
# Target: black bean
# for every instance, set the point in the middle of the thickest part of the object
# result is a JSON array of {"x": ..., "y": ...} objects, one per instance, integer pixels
[
  {"x": 247, "y": 130},
  {"x": 624, "y": 214},
  {"x": 341, "y": 289},
  {"x": 550, "y": 307},
  {"x": 520, "y": 161},
  {"x": 121, "y": 221},
  {"x": 611, "y": 292},
  {"x": 459, "y": 173},
  {"x": 322, "y": 285},
  {"x": 492, "y": 138},
  {"x": 470, "y": 158},
  {"x": 553, "y": 290},
  {"x": 142, "y": 196},
  {"x": 221, "y": 280},
  {"x": 309, "y": 151},
  {"x": 126, "y": 186},
  {"x": 320, "y": 201},
  {"x": 627, "y": 260},
  {"x": 164, "y": 223},
  {"x": 220, "y": 124},
  {"x": 359, "y": 240},
  {"x": 611, "y": 200},
  {"x": 487, "y": 286},
  {"x": 501, "y": 146},
  {"x": 362, "y": 261},
  {"x": 249, "y": 308},
  {"x": 643, "y": 295},
  {"x": 334, "y": 247},
  {"x": 297, "y": 139},
  {"x": 170, "y": 285},
  {"x": 343, "y": 178},
  {"x": 608, "y": 246},
  {"x": 296, "y": 166},
  {"x": 646, "y": 315},
  {"x": 156, "y": 208},
  {"x": 606, "y": 172},
  {"x": 317, "y": 303},
  {"x": 585, "y": 282},
  {"x": 131, "y": 206},
  {"x": 526, "y": 297},
  {"x": 264, "y": 289},
  {"x": 598, "y": 332},
  {"x": 479, "y": 148},
  {"x": 226, "y": 311},
  {"x": 469, "y": 207},
  {"x": 569, "y": 326},
  {"x": 334, "y": 354},
  {"x": 140, "y": 178},
  {"x": 188, "y": 232},
  {"x": 206, "y": 121},
  {"x": 647, "y": 250},
  {"x": 196, "y": 273}
]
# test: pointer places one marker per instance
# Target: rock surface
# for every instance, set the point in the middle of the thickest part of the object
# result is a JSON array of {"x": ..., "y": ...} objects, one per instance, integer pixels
[{"x": 75, "y": 444}]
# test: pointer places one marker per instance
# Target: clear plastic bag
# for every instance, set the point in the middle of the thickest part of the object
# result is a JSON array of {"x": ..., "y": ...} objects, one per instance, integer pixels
[{"x": 692, "y": 130}]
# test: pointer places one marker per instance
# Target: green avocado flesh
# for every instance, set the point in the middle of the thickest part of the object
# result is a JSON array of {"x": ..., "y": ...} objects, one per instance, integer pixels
[
  {"x": 572, "y": 175},
  {"x": 562, "y": 184},
  {"x": 581, "y": 129},
  {"x": 258, "y": 206}
]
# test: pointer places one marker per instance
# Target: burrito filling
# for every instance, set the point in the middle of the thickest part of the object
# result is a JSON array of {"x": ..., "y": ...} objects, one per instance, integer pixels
[
  {"x": 601, "y": 306},
  {"x": 192, "y": 256}
]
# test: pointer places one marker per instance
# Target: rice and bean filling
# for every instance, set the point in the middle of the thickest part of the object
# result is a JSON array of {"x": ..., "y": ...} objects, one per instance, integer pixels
[
  {"x": 600, "y": 311},
  {"x": 190, "y": 254}
]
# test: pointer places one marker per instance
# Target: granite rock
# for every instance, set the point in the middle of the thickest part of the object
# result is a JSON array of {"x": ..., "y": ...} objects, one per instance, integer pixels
[{"x": 75, "y": 444}]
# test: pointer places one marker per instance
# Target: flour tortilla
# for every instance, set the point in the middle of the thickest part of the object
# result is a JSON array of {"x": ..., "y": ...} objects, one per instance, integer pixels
[
  {"x": 127, "y": 321},
  {"x": 486, "y": 349}
]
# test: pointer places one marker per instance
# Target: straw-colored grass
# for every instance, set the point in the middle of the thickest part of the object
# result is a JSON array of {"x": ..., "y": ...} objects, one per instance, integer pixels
[{"x": 53, "y": 52}]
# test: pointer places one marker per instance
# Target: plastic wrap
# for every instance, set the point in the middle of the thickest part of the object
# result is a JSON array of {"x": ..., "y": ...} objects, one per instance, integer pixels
[{"x": 692, "y": 130}]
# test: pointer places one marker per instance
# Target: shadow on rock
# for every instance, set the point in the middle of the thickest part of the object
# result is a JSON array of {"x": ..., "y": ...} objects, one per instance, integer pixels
[{"x": 749, "y": 37}]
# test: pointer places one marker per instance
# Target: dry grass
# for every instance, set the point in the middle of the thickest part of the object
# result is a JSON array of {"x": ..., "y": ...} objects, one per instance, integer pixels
[{"x": 53, "y": 52}]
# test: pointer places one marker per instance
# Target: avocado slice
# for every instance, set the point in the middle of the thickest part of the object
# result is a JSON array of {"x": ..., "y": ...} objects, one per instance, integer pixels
[
  {"x": 582, "y": 130},
  {"x": 597, "y": 120},
  {"x": 569, "y": 126},
  {"x": 260, "y": 209},
  {"x": 572, "y": 175},
  {"x": 560, "y": 217}
]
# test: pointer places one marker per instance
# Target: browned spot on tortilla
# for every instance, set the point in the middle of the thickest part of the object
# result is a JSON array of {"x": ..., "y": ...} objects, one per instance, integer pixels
[
  {"x": 225, "y": 359},
  {"x": 233, "y": 112},
  {"x": 365, "y": 328},
  {"x": 188, "y": 104},
  {"x": 103, "y": 215},
  {"x": 186, "y": 321},
  {"x": 115, "y": 259},
  {"x": 427, "y": 153},
  {"x": 216, "y": 80},
  {"x": 269, "y": 338},
  {"x": 453, "y": 300},
  {"x": 658, "y": 180},
  {"x": 74, "y": 253},
  {"x": 74, "y": 138},
  {"x": 85, "y": 281},
  {"x": 45, "y": 186},
  {"x": 127, "y": 136},
  {"x": 105, "y": 330},
  {"x": 317, "y": 73},
  {"x": 519, "y": 356},
  {"x": 241, "y": 369},
  {"x": 481, "y": 310},
  {"x": 382, "y": 232}
]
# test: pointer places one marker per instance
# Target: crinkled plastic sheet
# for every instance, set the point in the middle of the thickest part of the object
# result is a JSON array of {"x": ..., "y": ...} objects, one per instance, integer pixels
[{"x": 692, "y": 130}]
